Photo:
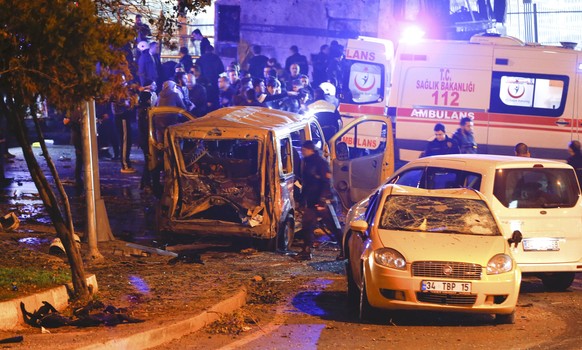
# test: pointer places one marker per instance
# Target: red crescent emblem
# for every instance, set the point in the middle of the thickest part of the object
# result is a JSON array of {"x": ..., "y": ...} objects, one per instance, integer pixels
[
  {"x": 515, "y": 96},
  {"x": 361, "y": 88}
]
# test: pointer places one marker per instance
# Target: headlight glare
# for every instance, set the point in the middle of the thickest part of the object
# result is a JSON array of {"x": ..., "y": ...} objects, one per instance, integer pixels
[
  {"x": 390, "y": 258},
  {"x": 500, "y": 263}
]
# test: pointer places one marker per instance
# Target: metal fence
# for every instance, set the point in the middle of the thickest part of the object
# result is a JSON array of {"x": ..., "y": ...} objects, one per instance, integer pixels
[{"x": 546, "y": 22}]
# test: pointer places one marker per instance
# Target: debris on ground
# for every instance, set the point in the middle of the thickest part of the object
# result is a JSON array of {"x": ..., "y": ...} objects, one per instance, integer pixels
[
  {"x": 187, "y": 258},
  {"x": 9, "y": 222},
  {"x": 248, "y": 251},
  {"x": 231, "y": 324},
  {"x": 95, "y": 313},
  {"x": 16, "y": 339},
  {"x": 263, "y": 292},
  {"x": 152, "y": 250}
]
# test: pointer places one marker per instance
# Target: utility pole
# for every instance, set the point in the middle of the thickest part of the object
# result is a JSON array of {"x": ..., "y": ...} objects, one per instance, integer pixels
[{"x": 98, "y": 229}]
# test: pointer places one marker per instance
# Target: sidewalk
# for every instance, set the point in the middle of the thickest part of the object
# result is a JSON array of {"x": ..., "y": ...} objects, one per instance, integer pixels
[
  {"x": 145, "y": 335},
  {"x": 144, "y": 284}
]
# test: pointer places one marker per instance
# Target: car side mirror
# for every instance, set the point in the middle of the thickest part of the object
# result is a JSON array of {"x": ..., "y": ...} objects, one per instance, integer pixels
[
  {"x": 359, "y": 226},
  {"x": 515, "y": 239}
]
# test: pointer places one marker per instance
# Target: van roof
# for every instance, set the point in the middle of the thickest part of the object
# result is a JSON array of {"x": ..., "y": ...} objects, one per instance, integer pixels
[
  {"x": 498, "y": 161},
  {"x": 243, "y": 117}
]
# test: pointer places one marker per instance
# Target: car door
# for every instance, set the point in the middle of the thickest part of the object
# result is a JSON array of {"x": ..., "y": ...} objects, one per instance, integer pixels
[
  {"x": 159, "y": 118},
  {"x": 361, "y": 157}
]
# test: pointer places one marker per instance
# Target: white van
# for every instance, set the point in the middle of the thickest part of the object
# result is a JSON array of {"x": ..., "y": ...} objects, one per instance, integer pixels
[
  {"x": 539, "y": 198},
  {"x": 514, "y": 92}
]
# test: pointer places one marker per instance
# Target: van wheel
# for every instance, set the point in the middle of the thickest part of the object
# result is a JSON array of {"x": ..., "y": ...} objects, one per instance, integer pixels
[
  {"x": 285, "y": 236},
  {"x": 157, "y": 224},
  {"x": 557, "y": 281},
  {"x": 505, "y": 318}
]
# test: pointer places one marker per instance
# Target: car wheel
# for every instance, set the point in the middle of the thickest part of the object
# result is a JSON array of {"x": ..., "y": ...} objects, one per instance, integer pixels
[
  {"x": 558, "y": 281},
  {"x": 505, "y": 318},
  {"x": 367, "y": 311},
  {"x": 353, "y": 290},
  {"x": 286, "y": 235}
]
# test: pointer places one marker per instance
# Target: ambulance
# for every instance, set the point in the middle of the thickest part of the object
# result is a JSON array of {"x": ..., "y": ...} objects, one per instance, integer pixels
[
  {"x": 367, "y": 72},
  {"x": 514, "y": 92}
]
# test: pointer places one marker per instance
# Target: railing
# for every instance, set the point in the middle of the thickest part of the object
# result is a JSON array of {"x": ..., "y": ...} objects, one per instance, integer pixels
[{"x": 545, "y": 23}]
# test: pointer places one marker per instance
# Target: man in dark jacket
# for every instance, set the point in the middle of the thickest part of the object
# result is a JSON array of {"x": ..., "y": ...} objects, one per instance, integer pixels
[
  {"x": 211, "y": 67},
  {"x": 297, "y": 58},
  {"x": 465, "y": 138},
  {"x": 257, "y": 63},
  {"x": 442, "y": 143},
  {"x": 149, "y": 65},
  {"x": 317, "y": 197}
]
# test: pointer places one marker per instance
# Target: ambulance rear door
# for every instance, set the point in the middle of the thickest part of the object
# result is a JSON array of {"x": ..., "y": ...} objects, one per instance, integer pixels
[
  {"x": 361, "y": 157},
  {"x": 367, "y": 72},
  {"x": 439, "y": 82},
  {"x": 533, "y": 96}
]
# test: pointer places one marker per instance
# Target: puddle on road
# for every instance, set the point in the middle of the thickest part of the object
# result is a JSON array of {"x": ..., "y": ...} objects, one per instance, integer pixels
[
  {"x": 34, "y": 241},
  {"x": 310, "y": 302}
]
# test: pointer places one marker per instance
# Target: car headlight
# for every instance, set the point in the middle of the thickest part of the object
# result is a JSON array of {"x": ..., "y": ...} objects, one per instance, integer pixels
[
  {"x": 390, "y": 258},
  {"x": 500, "y": 263}
]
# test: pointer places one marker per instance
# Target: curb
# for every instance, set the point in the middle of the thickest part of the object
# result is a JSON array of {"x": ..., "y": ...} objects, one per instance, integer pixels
[
  {"x": 11, "y": 315},
  {"x": 161, "y": 335}
]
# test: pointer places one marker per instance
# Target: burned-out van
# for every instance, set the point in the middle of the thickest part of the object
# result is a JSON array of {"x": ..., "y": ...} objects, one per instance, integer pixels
[{"x": 234, "y": 171}]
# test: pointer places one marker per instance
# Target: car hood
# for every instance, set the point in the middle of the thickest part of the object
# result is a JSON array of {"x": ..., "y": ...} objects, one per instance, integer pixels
[{"x": 437, "y": 246}]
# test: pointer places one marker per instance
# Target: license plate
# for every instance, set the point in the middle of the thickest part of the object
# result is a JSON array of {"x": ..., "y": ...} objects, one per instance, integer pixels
[
  {"x": 442, "y": 286},
  {"x": 541, "y": 244}
]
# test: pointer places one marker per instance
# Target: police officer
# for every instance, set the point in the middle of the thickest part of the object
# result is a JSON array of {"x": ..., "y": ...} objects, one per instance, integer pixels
[{"x": 317, "y": 197}]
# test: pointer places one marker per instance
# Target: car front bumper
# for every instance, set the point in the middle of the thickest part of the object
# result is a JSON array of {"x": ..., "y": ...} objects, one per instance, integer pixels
[{"x": 395, "y": 289}]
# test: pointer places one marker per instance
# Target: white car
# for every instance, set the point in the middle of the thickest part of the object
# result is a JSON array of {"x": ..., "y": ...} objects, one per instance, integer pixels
[
  {"x": 539, "y": 198},
  {"x": 440, "y": 250}
]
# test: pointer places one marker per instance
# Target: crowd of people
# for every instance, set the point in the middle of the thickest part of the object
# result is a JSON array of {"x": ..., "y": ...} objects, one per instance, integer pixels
[{"x": 204, "y": 84}]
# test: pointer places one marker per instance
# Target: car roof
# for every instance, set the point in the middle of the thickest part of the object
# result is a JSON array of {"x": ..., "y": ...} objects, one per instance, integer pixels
[
  {"x": 244, "y": 117},
  {"x": 464, "y": 193},
  {"x": 492, "y": 160}
]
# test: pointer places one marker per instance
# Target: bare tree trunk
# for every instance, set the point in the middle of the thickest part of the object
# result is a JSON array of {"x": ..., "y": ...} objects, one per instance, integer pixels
[{"x": 15, "y": 111}]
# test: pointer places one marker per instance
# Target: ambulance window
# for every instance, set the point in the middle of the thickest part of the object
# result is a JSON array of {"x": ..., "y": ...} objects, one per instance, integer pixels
[
  {"x": 286, "y": 156},
  {"x": 529, "y": 94},
  {"x": 363, "y": 83}
]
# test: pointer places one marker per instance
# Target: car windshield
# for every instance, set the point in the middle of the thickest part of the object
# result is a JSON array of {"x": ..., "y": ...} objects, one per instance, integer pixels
[{"x": 438, "y": 214}]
